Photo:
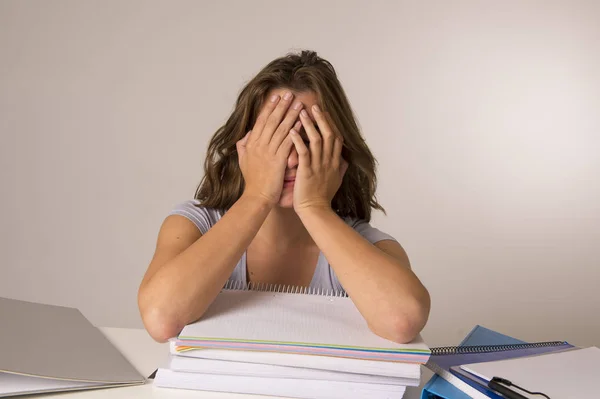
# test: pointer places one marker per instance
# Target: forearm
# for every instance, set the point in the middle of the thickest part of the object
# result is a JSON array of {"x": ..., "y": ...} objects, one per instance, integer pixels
[
  {"x": 183, "y": 288},
  {"x": 384, "y": 289}
]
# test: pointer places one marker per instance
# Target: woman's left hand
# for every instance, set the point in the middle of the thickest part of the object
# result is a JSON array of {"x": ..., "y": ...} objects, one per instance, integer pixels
[{"x": 321, "y": 167}]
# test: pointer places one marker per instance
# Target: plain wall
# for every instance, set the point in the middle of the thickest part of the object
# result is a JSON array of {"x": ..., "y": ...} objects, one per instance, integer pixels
[{"x": 484, "y": 117}]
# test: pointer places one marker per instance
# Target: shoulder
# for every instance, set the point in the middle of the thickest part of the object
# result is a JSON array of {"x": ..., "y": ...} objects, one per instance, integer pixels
[
  {"x": 204, "y": 218},
  {"x": 366, "y": 230}
]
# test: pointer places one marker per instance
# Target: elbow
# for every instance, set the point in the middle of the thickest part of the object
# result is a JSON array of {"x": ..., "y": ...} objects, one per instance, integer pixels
[
  {"x": 402, "y": 325},
  {"x": 401, "y": 329},
  {"x": 159, "y": 323},
  {"x": 160, "y": 326}
]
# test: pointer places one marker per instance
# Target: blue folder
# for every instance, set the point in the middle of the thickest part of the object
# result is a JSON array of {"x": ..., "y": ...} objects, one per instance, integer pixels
[{"x": 439, "y": 388}]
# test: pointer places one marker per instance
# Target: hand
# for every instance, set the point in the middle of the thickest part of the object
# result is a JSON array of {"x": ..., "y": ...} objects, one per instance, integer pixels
[
  {"x": 321, "y": 167},
  {"x": 264, "y": 151}
]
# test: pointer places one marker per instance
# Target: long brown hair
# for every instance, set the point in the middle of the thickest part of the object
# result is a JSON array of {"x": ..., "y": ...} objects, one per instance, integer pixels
[{"x": 223, "y": 184}]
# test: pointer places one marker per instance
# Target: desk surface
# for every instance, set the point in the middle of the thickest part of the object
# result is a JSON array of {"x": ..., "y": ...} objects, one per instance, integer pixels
[{"x": 146, "y": 355}]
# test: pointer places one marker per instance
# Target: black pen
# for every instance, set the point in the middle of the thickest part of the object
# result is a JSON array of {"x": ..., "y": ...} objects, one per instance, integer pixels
[{"x": 495, "y": 384}]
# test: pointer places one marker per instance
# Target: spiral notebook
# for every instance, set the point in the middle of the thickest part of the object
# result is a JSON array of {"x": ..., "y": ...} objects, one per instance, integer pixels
[
  {"x": 292, "y": 320},
  {"x": 568, "y": 374},
  {"x": 483, "y": 345},
  {"x": 289, "y": 341}
]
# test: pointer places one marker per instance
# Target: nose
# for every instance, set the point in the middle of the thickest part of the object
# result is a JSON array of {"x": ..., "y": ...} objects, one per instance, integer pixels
[{"x": 292, "y": 161}]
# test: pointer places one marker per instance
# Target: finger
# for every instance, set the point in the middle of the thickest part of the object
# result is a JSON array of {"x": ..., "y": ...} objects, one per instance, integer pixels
[
  {"x": 303, "y": 154},
  {"x": 263, "y": 116},
  {"x": 332, "y": 125},
  {"x": 314, "y": 137},
  {"x": 284, "y": 127},
  {"x": 285, "y": 147},
  {"x": 297, "y": 127},
  {"x": 334, "y": 129},
  {"x": 338, "y": 144},
  {"x": 326, "y": 132},
  {"x": 244, "y": 139},
  {"x": 287, "y": 143},
  {"x": 275, "y": 118},
  {"x": 241, "y": 144}
]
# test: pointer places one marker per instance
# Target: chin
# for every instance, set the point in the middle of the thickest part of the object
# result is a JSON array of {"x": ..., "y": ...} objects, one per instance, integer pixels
[{"x": 286, "y": 200}]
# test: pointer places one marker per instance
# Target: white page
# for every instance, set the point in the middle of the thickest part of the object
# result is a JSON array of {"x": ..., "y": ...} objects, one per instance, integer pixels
[
  {"x": 12, "y": 384},
  {"x": 286, "y": 387},
  {"x": 372, "y": 367},
  {"x": 223, "y": 367},
  {"x": 249, "y": 315},
  {"x": 570, "y": 374}
]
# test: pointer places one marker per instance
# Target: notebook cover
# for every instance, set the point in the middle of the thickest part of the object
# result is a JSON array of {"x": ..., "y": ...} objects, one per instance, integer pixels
[
  {"x": 60, "y": 343},
  {"x": 437, "y": 387},
  {"x": 13, "y": 385}
]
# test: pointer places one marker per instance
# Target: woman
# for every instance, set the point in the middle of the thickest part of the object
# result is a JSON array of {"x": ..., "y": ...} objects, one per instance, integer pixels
[{"x": 286, "y": 199}]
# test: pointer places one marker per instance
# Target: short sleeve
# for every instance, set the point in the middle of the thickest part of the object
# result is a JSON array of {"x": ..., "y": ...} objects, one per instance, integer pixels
[
  {"x": 204, "y": 218},
  {"x": 369, "y": 232}
]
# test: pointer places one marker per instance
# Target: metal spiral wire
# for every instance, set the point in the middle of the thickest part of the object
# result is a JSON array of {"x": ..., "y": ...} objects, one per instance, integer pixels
[
  {"x": 454, "y": 350},
  {"x": 232, "y": 285}
]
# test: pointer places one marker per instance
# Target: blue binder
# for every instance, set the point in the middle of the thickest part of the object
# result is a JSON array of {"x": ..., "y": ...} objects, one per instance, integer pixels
[
  {"x": 481, "y": 338},
  {"x": 439, "y": 388}
]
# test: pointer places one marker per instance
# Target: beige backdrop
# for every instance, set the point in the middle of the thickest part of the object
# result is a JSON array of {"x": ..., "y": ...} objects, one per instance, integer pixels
[{"x": 484, "y": 117}]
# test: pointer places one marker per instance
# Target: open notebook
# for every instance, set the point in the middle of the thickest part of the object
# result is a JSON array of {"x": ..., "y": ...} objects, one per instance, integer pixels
[
  {"x": 294, "y": 321},
  {"x": 46, "y": 348},
  {"x": 569, "y": 374}
]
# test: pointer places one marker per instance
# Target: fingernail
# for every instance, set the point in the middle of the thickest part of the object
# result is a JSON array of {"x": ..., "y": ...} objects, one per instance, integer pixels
[
  {"x": 297, "y": 105},
  {"x": 274, "y": 98},
  {"x": 293, "y": 131},
  {"x": 304, "y": 113},
  {"x": 287, "y": 96},
  {"x": 316, "y": 108}
]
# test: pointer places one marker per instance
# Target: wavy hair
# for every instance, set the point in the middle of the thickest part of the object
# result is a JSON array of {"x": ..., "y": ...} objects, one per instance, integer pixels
[{"x": 223, "y": 183}]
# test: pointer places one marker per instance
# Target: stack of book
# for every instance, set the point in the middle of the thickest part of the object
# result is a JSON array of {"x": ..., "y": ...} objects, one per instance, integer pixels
[{"x": 290, "y": 342}]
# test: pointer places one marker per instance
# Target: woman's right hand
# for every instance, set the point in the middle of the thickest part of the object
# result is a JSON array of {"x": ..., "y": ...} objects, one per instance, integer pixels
[{"x": 264, "y": 151}]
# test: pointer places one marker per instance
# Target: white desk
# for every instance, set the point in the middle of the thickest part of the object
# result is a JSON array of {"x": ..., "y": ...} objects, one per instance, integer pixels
[{"x": 146, "y": 355}]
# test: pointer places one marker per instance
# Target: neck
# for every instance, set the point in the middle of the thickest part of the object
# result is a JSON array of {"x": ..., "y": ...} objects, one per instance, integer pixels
[{"x": 284, "y": 228}]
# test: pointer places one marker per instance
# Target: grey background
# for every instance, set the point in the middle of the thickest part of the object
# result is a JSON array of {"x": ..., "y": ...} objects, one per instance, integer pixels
[{"x": 483, "y": 116}]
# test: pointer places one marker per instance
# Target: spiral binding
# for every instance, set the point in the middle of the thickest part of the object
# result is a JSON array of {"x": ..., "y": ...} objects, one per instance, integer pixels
[
  {"x": 232, "y": 285},
  {"x": 461, "y": 350}
]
